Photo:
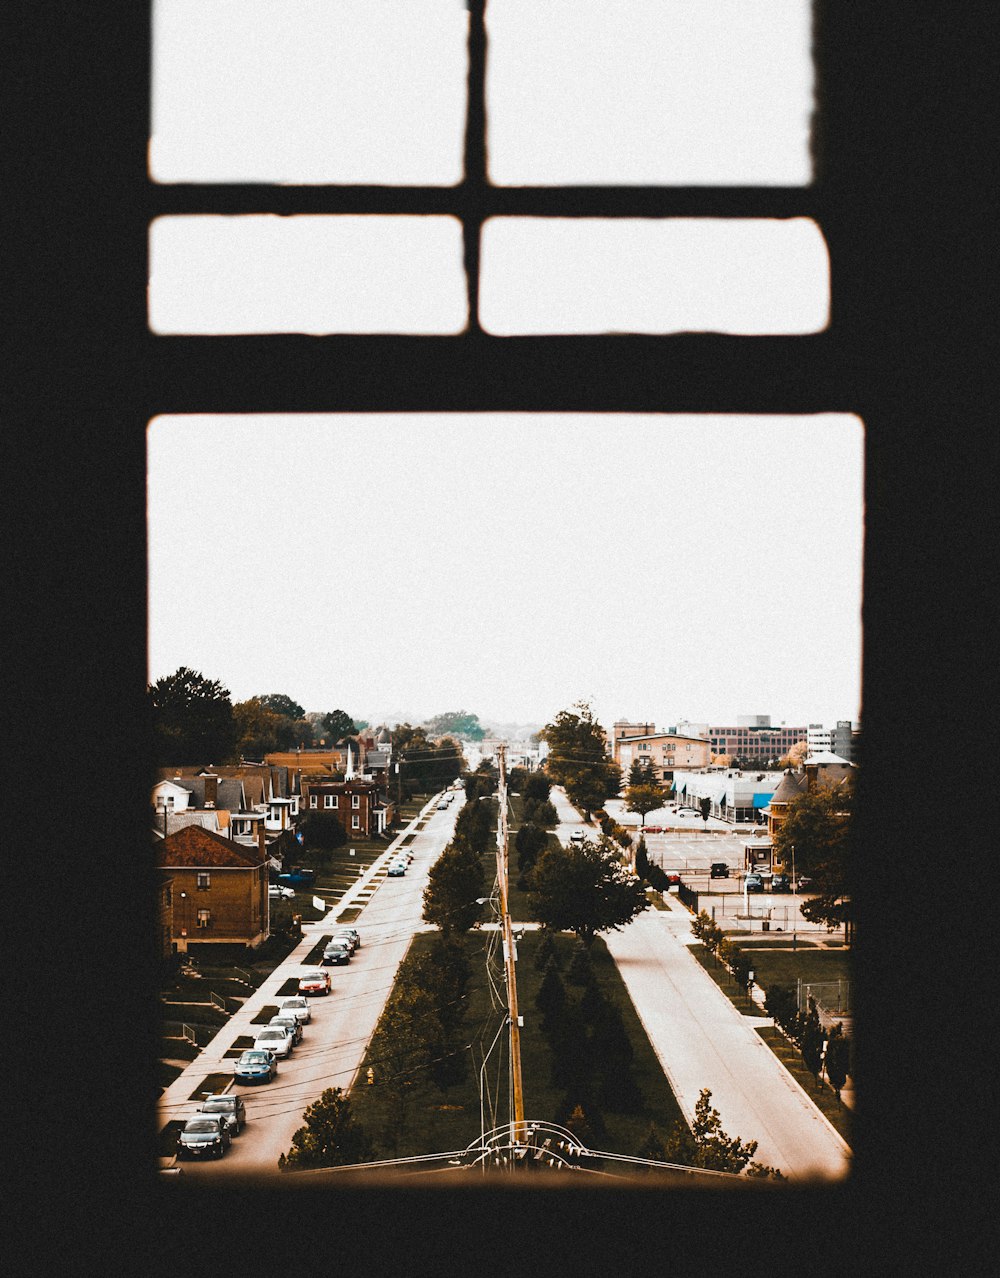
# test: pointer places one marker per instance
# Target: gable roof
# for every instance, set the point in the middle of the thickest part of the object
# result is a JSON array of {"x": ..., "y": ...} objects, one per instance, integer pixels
[{"x": 195, "y": 846}]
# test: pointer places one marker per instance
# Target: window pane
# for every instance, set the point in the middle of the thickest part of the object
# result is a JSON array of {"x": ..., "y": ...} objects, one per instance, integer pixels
[
  {"x": 309, "y": 91},
  {"x": 593, "y": 275},
  {"x": 673, "y": 92},
  {"x": 268, "y": 274}
]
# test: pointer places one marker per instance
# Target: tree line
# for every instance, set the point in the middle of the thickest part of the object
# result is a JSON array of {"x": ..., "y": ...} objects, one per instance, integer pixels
[{"x": 194, "y": 720}]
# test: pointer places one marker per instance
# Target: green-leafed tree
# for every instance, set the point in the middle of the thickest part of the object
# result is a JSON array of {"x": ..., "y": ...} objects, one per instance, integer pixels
[
  {"x": 257, "y": 728},
  {"x": 329, "y": 1137},
  {"x": 279, "y": 703},
  {"x": 192, "y": 719},
  {"x": 537, "y": 786},
  {"x": 476, "y": 825},
  {"x": 705, "y": 803},
  {"x": 585, "y": 889},
  {"x": 339, "y": 724},
  {"x": 811, "y": 1040},
  {"x": 457, "y": 723},
  {"x": 818, "y": 826},
  {"x": 642, "y": 859},
  {"x": 838, "y": 1058},
  {"x": 652, "y": 1147},
  {"x": 578, "y": 758},
  {"x": 541, "y": 812},
  {"x": 324, "y": 831},
  {"x": 529, "y": 843},
  {"x": 551, "y": 997},
  {"x": 706, "y": 1144},
  {"x": 547, "y": 951},
  {"x": 455, "y": 881}
]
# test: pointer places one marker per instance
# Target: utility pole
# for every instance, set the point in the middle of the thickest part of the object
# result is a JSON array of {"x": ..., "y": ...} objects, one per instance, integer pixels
[{"x": 517, "y": 1093}]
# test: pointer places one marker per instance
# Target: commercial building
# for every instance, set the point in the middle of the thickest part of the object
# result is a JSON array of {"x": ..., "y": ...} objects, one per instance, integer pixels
[
  {"x": 754, "y": 737},
  {"x": 662, "y": 752},
  {"x": 736, "y": 797}
]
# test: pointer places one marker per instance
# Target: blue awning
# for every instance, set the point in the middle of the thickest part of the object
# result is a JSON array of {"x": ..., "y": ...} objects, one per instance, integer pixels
[{"x": 762, "y": 800}]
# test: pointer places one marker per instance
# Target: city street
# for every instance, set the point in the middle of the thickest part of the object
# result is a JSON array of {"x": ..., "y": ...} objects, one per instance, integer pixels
[
  {"x": 702, "y": 1041},
  {"x": 334, "y": 1041}
]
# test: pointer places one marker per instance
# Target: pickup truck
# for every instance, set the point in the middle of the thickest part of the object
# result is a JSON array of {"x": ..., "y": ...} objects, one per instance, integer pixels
[{"x": 298, "y": 876}]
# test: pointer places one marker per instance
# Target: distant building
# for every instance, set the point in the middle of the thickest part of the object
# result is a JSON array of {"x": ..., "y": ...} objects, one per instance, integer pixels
[
  {"x": 662, "y": 752},
  {"x": 753, "y": 737},
  {"x": 845, "y": 739},
  {"x": 735, "y": 796}
]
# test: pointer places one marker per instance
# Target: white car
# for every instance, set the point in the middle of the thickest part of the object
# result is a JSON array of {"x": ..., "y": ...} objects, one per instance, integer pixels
[
  {"x": 577, "y": 836},
  {"x": 287, "y": 1021},
  {"x": 278, "y": 893},
  {"x": 276, "y": 1039},
  {"x": 298, "y": 1007}
]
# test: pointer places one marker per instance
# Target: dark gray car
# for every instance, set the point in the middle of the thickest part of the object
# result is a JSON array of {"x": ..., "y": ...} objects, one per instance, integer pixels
[
  {"x": 228, "y": 1106},
  {"x": 205, "y": 1136}
]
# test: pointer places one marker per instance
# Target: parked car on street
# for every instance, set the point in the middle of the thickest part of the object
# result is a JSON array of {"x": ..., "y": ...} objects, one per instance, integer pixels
[
  {"x": 343, "y": 930},
  {"x": 227, "y": 1106},
  {"x": 349, "y": 938},
  {"x": 278, "y": 893},
  {"x": 396, "y": 869},
  {"x": 276, "y": 1039},
  {"x": 297, "y": 877},
  {"x": 753, "y": 883},
  {"x": 289, "y": 1022},
  {"x": 651, "y": 829},
  {"x": 781, "y": 883},
  {"x": 297, "y": 1007},
  {"x": 204, "y": 1136},
  {"x": 719, "y": 870},
  {"x": 577, "y": 836},
  {"x": 317, "y": 982},
  {"x": 256, "y": 1066},
  {"x": 443, "y": 806},
  {"x": 337, "y": 953}
]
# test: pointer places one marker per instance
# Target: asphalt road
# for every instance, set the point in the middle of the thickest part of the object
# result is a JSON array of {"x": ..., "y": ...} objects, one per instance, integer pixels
[
  {"x": 334, "y": 1042},
  {"x": 702, "y": 1041}
]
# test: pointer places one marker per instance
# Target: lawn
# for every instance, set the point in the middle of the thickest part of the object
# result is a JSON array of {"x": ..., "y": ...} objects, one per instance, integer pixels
[{"x": 445, "y": 1121}]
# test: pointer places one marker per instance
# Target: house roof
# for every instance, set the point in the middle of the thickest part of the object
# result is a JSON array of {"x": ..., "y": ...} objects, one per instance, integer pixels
[
  {"x": 824, "y": 757},
  {"x": 206, "y": 818},
  {"x": 791, "y": 785},
  {"x": 195, "y": 846}
]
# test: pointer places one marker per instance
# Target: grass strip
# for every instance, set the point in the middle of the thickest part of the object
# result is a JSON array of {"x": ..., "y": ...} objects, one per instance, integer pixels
[
  {"x": 316, "y": 953},
  {"x": 289, "y": 988},
  {"x": 819, "y": 1092},
  {"x": 265, "y": 1014},
  {"x": 211, "y": 1085}
]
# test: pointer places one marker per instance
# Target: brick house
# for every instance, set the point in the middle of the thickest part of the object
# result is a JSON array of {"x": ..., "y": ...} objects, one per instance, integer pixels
[
  {"x": 165, "y": 916},
  {"x": 218, "y": 888},
  {"x": 359, "y": 804}
]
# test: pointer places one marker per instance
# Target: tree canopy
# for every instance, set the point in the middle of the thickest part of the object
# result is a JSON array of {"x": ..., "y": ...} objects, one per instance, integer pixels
[
  {"x": 330, "y": 1136},
  {"x": 339, "y": 724},
  {"x": 424, "y": 764},
  {"x": 281, "y": 704},
  {"x": 457, "y": 723},
  {"x": 817, "y": 825},
  {"x": 585, "y": 889},
  {"x": 454, "y": 882},
  {"x": 192, "y": 719},
  {"x": 644, "y": 795},
  {"x": 578, "y": 758}
]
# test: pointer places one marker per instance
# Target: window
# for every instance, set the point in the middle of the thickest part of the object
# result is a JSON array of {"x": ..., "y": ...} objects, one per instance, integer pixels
[
  {"x": 330, "y": 801},
  {"x": 355, "y": 800},
  {"x": 355, "y": 823},
  {"x": 204, "y": 881},
  {"x": 204, "y": 918},
  {"x": 313, "y": 801}
]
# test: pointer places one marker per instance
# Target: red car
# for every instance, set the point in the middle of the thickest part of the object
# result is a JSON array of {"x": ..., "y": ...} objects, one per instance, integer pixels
[
  {"x": 651, "y": 829},
  {"x": 317, "y": 982}
]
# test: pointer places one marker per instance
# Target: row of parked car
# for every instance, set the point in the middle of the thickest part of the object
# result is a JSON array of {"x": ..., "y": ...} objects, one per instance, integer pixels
[
  {"x": 399, "y": 864},
  {"x": 210, "y": 1131}
]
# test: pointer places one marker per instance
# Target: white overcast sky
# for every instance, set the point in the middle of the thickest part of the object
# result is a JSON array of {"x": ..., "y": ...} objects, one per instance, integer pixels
[{"x": 492, "y": 563}]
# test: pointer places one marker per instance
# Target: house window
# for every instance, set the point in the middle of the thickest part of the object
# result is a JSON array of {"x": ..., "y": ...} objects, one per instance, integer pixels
[
  {"x": 204, "y": 918},
  {"x": 355, "y": 800},
  {"x": 329, "y": 801},
  {"x": 204, "y": 882},
  {"x": 355, "y": 823},
  {"x": 313, "y": 801}
]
